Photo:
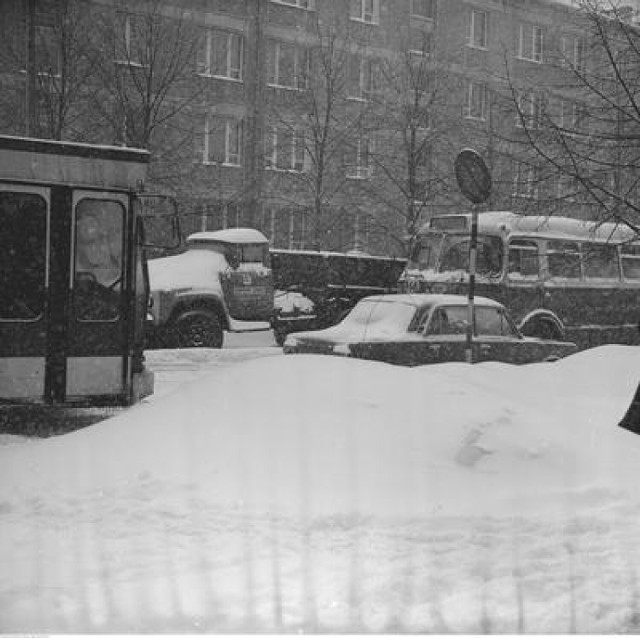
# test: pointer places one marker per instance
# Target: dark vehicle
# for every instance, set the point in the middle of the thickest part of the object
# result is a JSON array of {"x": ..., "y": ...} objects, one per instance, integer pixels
[
  {"x": 328, "y": 283},
  {"x": 416, "y": 329},
  {"x": 561, "y": 278},
  {"x": 74, "y": 286},
  {"x": 221, "y": 282}
]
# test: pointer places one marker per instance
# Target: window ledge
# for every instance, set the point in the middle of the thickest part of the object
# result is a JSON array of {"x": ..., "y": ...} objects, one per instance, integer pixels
[
  {"x": 214, "y": 76},
  {"x": 533, "y": 60},
  {"x": 293, "y": 6},
  {"x": 477, "y": 47},
  {"x": 278, "y": 169},
  {"x": 131, "y": 63},
  {"x": 414, "y": 16},
  {"x": 373, "y": 23},
  {"x": 286, "y": 88}
]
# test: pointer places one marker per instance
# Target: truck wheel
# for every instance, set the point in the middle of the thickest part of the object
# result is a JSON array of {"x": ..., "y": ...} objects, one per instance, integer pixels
[{"x": 198, "y": 329}]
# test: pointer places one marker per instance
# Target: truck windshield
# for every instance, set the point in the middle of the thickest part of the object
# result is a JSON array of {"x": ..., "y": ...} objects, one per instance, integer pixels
[{"x": 450, "y": 252}]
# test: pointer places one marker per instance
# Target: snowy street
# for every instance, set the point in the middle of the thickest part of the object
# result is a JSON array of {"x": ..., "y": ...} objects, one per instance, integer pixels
[{"x": 258, "y": 492}]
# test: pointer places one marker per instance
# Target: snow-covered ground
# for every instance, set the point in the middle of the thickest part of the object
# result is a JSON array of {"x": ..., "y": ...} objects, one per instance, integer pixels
[{"x": 258, "y": 492}]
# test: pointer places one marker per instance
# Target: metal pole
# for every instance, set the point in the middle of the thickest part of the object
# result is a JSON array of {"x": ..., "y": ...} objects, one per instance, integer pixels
[{"x": 473, "y": 249}]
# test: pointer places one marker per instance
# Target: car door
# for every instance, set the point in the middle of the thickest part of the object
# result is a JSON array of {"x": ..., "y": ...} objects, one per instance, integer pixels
[{"x": 445, "y": 335}]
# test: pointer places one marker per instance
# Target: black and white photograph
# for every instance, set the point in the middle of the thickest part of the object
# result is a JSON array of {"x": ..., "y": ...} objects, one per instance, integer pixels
[{"x": 319, "y": 317}]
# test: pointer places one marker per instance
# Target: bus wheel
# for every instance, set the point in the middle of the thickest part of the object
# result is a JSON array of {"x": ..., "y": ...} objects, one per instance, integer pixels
[
  {"x": 198, "y": 329},
  {"x": 543, "y": 329}
]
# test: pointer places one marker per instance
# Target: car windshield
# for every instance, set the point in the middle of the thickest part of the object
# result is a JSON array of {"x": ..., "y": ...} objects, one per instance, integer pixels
[{"x": 377, "y": 314}]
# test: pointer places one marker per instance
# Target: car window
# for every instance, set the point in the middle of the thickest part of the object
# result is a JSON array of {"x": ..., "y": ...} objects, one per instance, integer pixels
[
  {"x": 493, "y": 322},
  {"x": 448, "y": 321},
  {"x": 453, "y": 320}
]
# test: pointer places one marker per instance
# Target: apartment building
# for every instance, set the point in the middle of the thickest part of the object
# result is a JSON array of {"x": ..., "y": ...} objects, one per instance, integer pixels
[{"x": 327, "y": 124}]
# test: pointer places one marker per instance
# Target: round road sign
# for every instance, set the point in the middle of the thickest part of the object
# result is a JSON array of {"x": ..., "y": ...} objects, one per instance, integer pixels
[{"x": 473, "y": 176}]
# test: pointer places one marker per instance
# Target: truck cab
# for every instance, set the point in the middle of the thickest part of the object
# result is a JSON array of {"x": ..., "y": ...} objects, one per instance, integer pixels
[{"x": 222, "y": 281}]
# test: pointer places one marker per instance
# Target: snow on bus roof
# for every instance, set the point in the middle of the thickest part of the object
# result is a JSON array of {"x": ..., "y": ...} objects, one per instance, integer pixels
[
  {"x": 230, "y": 236},
  {"x": 423, "y": 299},
  {"x": 510, "y": 223}
]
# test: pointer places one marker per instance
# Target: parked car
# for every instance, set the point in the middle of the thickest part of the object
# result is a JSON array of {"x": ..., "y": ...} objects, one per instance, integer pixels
[{"x": 416, "y": 329}]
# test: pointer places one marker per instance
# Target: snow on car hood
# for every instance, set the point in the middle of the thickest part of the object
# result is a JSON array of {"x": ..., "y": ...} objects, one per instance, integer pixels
[{"x": 192, "y": 269}]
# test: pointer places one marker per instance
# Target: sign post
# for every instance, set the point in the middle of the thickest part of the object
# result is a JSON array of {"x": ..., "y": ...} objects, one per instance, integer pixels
[{"x": 474, "y": 181}]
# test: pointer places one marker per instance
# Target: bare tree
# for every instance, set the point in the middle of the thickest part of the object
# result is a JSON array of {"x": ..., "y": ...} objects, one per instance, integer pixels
[
  {"x": 413, "y": 139},
  {"x": 145, "y": 64},
  {"x": 585, "y": 134},
  {"x": 315, "y": 135},
  {"x": 50, "y": 42}
]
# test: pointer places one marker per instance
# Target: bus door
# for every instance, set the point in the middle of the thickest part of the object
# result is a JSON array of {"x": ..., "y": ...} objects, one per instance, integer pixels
[
  {"x": 97, "y": 362},
  {"x": 24, "y": 284}
]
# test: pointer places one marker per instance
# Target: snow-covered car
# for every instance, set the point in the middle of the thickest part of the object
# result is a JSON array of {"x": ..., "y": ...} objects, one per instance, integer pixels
[{"x": 416, "y": 329}]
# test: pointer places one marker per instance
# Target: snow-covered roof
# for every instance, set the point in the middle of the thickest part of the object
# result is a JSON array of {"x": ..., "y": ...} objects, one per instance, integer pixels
[
  {"x": 230, "y": 235},
  {"x": 423, "y": 299},
  {"x": 329, "y": 253},
  {"x": 509, "y": 223}
]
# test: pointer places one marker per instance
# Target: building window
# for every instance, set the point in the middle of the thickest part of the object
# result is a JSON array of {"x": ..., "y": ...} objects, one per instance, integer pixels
[
  {"x": 423, "y": 9},
  {"x": 420, "y": 42},
  {"x": 360, "y": 158},
  {"x": 476, "y": 107},
  {"x": 302, "y": 4},
  {"x": 478, "y": 24},
  {"x": 362, "y": 81},
  {"x": 531, "y": 43},
  {"x": 365, "y": 11},
  {"x": 572, "y": 116},
  {"x": 223, "y": 137},
  {"x": 574, "y": 53},
  {"x": 568, "y": 188},
  {"x": 285, "y": 149},
  {"x": 287, "y": 65},
  {"x": 48, "y": 59},
  {"x": 221, "y": 54},
  {"x": 530, "y": 110},
  {"x": 130, "y": 39},
  {"x": 526, "y": 179},
  {"x": 285, "y": 227}
]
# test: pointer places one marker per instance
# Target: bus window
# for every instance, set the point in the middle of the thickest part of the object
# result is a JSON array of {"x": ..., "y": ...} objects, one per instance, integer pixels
[
  {"x": 98, "y": 264},
  {"x": 22, "y": 255},
  {"x": 524, "y": 260},
  {"x": 563, "y": 259},
  {"x": 600, "y": 261},
  {"x": 425, "y": 254},
  {"x": 455, "y": 255},
  {"x": 631, "y": 261}
]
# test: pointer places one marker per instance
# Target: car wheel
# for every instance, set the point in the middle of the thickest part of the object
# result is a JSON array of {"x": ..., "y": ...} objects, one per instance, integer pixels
[{"x": 198, "y": 329}]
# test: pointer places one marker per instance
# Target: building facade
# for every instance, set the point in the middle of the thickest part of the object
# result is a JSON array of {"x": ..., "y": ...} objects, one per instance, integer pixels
[{"x": 325, "y": 123}]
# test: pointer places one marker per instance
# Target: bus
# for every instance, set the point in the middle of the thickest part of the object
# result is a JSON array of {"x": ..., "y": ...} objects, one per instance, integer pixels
[
  {"x": 560, "y": 277},
  {"x": 74, "y": 289}
]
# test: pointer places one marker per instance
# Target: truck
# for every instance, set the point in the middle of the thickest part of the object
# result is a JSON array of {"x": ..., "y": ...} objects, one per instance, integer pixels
[
  {"x": 220, "y": 282},
  {"x": 316, "y": 289}
]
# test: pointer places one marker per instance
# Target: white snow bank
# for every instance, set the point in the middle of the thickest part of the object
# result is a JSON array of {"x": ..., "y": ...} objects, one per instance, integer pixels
[
  {"x": 338, "y": 436},
  {"x": 323, "y": 494}
]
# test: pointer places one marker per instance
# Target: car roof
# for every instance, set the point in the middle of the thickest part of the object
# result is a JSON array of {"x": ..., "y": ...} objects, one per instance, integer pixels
[
  {"x": 429, "y": 299},
  {"x": 229, "y": 235}
]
